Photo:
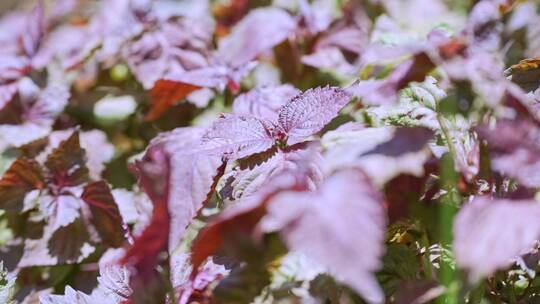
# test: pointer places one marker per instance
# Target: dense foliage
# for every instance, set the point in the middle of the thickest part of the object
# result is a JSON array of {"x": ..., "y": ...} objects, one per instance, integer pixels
[{"x": 286, "y": 151}]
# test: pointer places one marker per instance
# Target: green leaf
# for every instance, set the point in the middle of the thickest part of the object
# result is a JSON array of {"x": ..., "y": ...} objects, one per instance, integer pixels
[{"x": 400, "y": 264}]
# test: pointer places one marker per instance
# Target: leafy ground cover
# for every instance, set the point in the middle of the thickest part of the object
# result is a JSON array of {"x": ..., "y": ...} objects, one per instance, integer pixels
[{"x": 325, "y": 151}]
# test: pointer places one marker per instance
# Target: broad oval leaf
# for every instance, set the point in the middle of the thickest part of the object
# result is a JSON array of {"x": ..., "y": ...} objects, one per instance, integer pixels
[
  {"x": 259, "y": 31},
  {"x": 106, "y": 217},
  {"x": 239, "y": 136},
  {"x": 194, "y": 170},
  {"x": 23, "y": 176},
  {"x": 67, "y": 163},
  {"x": 308, "y": 113},
  {"x": 154, "y": 174},
  {"x": 299, "y": 158},
  {"x": 482, "y": 244},
  {"x": 385, "y": 91},
  {"x": 342, "y": 227},
  {"x": 515, "y": 148},
  {"x": 382, "y": 153},
  {"x": 264, "y": 102}
]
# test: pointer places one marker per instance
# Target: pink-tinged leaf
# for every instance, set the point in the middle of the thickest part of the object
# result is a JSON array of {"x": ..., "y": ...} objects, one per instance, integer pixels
[
  {"x": 482, "y": 245},
  {"x": 332, "y": 59},
  {"x": 70, "y": 296},
  {"x": 50, "y": 103},
  {"x": 482, "y": 28},
  {"x": 13, "y": 67},
  {"x": 299, "y": 158},
  {"x": 105, "y": 214},
  {"x": 258, "y": 32},
  {"x": 308, "y": 113},
  {"x": 238, "y": 136},
  {"x": 317, "y": 16},
  {"x": 113, "y": 278},
  {"x": 148, "y": 58},
  {"x": 135, "y": 208},
  {"x": 514, "y": 147},
  {"x": 186, "y": 140},
  {"x": 70, "y": 44},
  {"x": 382, "y": 153},
  {"x": 62, "y": 8},
  {"x": 22, "y": 176},
  {"x": 384, "y": 91},
  {"x": 194, "y": 173},
  {"x": 351, "y": 38},
  {"x": 264, "y": 102},
  {"x": 16, "y": 136},
  {"x": 35, "y": 29},
  {"x": 484, "y": 72},
  {"x": 240, "y": 219},
  {"x": 342, "y": 227},
  {"x": 193, "y": 180},
  {"x": 217, "y": 76},
  {"x": 60, "y": 210},
  {"x": 187, "y": 289}
]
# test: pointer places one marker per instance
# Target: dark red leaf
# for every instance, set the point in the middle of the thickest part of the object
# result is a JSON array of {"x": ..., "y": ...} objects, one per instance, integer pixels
[
  {"x": 23, "y": 175},
  {"x": 105, "y": 214},
  {"x": 241, "y": 218},
  {"x": 165, "y": 94},
  {"x": 154, "y": 173},
  {"x": 67, "y": 163}
]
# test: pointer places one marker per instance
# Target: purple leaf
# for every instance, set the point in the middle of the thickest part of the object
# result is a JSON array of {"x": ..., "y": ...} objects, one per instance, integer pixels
[
  {"x": 308, "y": 113},
  {"x": 239, "y": 136},
  {"x": 514, "y": 149},
  {"x": 113, "y": 278},
  {"x": 217, "y": 76},
  {"x": 341, "y": 226},
  {"x": 382, "y": 153},
  {"x": 148, "y": 58},
  {"x": 185, "y": 286},
  {"x": 482, "y": 245},
  {"x": 384, "y": 91},
  {"x": 264, "y": 102},
  {"x": 61, "y": 210},
  {"x": 50, "y": 103},
  {"x": 71, "y": 296},
  {"x": 330, "y": 58},
  {"x": 242, "y": 218},
  {"x": 70, "y": 44},
  {"x": 258, "y": 32},
  {"x": 193, "y": 174},
  {"x": 299, "y": 158},
  {"x": 317, "y": 15},
  {"x": 35, "y": 29},
  {"x": 351, "y": 38},
  {"x": 13, "y": 67}
]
